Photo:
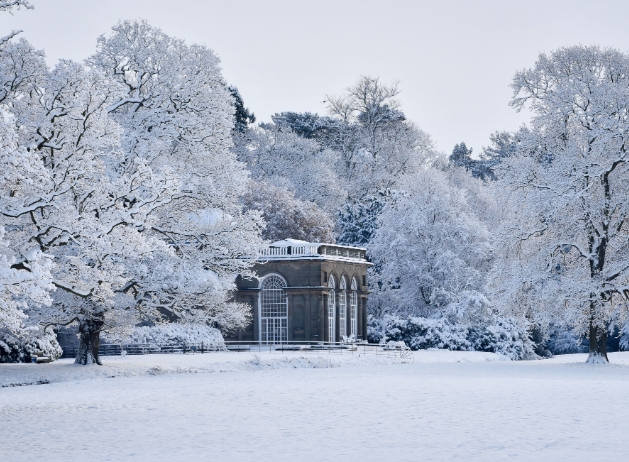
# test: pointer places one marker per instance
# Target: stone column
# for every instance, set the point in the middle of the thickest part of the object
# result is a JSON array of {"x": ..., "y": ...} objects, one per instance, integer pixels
[
  {"x": 290, "y": 324},
  {"x": 359, "y": 316},
  {"x": 308, "y": 310},
  {"x": 337, "y": 313},
  {"x": 364, "y": 316},
  {"x": 324, "y": 335}
]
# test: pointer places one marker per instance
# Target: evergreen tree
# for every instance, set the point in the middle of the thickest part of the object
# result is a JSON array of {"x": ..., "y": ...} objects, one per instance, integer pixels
[
  {"x": 462, "y": 157},
  {"x": 503, "y": 145},
  {"x": 358, "y": 219},
  {"x": 303, "y": 124},
  {"x": 242, "y": 116}
]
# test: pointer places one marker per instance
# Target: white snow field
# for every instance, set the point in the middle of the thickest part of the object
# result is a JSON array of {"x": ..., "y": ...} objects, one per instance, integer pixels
[{"x": 291, "y": 407}]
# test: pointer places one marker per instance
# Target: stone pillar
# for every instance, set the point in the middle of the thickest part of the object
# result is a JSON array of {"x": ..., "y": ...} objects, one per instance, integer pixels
[
  {"x": 324, "y": 335},
  {"x": 290, "y": 298},
  {"x": 337, "y": 315},
  {"x": 308, "y": 313},
  {"x": 363, "y": 303},
  {"x": 359, "y": 317}
]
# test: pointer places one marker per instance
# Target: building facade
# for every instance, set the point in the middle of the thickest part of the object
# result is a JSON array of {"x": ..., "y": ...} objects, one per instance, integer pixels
[{"x": 306, "y": 292}]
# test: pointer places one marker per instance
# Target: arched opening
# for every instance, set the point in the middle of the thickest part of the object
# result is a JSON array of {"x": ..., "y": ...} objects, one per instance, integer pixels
[
  {"x": 353, "y": 308},
  {"x": 273, "y": 310},
  {"x": 331, "y": 309},
  {"x": 342, "y": 308}
]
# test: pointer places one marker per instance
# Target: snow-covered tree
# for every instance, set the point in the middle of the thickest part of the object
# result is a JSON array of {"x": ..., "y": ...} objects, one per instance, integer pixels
[
  {"x": 28, "y": 281},
  {"x": 20, "y": 67},
  {"x": 242, "y": 116},
  {"x": 377, "y": 147},
  {"x": 462, "y": 157},
  {"x": 25, "y": 276},
  {"x": 357, "y": 219},
  {"x": 306, "y": 125},
  {"x": 24, "y": 271},
  {"x": 564, "y": 252},
  {"x": 345, "y": 162},
  {"x": 430, "y": 251},
  {"x": 8, "y": 6},
  {"x": 503, "y": 145},
  {"x": 76, "y": 214},
  {"x": 375, "y": 142},
  {"x": 139, "y": 199},
  {"x": 278, "y": 156},
  {"x": 286, "y": 216},
  {"x": 177, "y": 115}
]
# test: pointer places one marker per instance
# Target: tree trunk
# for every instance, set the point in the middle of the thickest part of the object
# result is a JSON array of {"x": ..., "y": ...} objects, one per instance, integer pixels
[
  {"x": 89, "y": 342},
  {"x": 598, "y": 345}
]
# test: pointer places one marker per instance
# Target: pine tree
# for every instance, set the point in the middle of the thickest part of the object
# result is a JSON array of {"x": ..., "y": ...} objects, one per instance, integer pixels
[
  {"x": 242, "y": 116},
  {"x": 358, "y": 219}
]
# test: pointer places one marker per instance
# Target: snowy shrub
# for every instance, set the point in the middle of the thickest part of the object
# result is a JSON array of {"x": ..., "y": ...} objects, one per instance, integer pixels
[
  {"x": 19, "y": 350},
  {"x": 376, "y": 328},
  {"x": 174, "y": 334},
  {"x": 562, "y": 340},
  {"x": 420, "y": 333},
  {"x": 435, "y": 333},
  {"x": 503, "y": 336}
]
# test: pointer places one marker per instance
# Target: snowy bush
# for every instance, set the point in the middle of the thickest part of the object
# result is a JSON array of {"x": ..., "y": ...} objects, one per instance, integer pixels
[
  {"x": 503, "y": 336},
  {"x": 562, "y": 340},
  {"x": 19, "y": 350},
  {"x": 420, "y": 333},
  {"x": 169, "y": 334}
]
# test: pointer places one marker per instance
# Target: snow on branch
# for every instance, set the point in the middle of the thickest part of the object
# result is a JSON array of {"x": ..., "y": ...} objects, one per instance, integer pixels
[
  {"x": 8, "y": 37},
  {"x": 8, "y": 5},
  {"x": 569, "y": 173},
  {"x": 122, "y": 102},
  {"x": 72, "y": 289}
]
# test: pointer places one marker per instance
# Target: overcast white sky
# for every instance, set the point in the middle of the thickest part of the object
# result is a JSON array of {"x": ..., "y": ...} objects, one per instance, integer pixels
[{"x": 454, "y": 59}]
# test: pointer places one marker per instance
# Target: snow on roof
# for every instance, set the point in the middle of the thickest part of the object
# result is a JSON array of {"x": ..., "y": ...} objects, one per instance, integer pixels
[
  {"x": 289, "y": 243},
  {"x": 297, "y": 242},
  {"x": 295, "y": 249}
]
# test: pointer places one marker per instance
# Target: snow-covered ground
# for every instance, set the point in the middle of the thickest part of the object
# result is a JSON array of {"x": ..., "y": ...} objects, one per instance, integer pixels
[{"x": 280, "y": 407}]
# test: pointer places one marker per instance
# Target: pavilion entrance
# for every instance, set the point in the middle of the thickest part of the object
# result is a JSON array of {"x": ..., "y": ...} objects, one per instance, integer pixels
[{"x": 273, "y": 310}]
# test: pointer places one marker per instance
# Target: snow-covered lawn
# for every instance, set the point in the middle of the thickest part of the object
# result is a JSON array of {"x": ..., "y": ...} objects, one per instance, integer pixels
[{"x": 281, "y": 407}]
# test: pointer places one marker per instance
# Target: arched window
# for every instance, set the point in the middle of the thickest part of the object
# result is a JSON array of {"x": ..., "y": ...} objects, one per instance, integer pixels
[
  {"x": 342, "y": 308},
  {"x": 331, "y": 309},
  {"x": 273, "y": 310},
  {"x": 353, "y": 308}
]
